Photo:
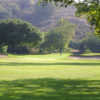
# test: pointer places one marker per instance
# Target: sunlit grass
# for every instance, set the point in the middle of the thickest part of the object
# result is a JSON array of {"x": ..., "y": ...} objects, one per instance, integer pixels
[{"x": 49, "y": 77}]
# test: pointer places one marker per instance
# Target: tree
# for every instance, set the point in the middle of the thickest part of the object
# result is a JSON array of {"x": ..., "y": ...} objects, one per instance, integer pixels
[
  {"x": 91, "y": 43},
  {"x": 15, "y": 32},
  {"x": 59, "y": 37},
  {"x": 90, "y": 8}
]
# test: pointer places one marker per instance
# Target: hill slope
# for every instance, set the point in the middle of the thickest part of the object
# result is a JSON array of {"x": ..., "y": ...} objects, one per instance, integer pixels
[{"x": 42, "y": 17}]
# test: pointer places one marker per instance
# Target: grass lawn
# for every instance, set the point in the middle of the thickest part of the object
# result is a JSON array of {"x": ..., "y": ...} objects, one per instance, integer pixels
[{"x": 49, "y": 77}]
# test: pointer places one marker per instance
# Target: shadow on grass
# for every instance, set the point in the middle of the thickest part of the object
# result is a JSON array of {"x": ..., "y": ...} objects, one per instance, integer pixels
[
  {"x": 50, "y": 64},
  {"x": 50, "y": 89},
  {"x": 86, "y": 56}
]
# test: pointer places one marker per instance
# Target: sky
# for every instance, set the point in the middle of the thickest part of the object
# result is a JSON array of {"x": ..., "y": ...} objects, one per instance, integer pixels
[{"x": 78, "y": 0}]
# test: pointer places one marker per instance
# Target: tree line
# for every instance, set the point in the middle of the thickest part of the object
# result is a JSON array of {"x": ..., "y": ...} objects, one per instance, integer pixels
[{"x": 19, "y": 36}]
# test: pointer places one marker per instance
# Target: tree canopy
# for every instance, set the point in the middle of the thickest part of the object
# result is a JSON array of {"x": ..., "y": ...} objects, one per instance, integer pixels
[
  {"x": 90, "y": 8},
  {"x": 17, "y": 32},
  {"x": 59, "y": 37}
]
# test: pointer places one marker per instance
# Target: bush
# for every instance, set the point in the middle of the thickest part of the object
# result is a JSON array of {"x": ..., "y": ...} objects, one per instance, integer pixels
[{"x": 3, "y": 50}]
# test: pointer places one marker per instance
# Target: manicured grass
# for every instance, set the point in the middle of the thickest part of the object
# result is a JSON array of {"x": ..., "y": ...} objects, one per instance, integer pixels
[{"x": 49, "y": 77}]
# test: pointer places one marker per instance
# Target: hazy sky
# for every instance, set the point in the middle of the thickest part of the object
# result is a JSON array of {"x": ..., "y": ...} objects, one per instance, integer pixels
[{"x": 78, "y": 0}]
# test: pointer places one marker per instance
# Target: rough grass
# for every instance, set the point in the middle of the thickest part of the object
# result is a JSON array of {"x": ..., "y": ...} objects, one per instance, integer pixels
[{"x": 49, "y": 77}]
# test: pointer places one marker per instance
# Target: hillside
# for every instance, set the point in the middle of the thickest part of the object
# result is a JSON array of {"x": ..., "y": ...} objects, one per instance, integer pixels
[{"x": 43, "y": 17}]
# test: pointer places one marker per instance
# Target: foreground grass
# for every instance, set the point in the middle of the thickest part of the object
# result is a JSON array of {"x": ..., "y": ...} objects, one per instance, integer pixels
[{"x": 49, "y": 77}]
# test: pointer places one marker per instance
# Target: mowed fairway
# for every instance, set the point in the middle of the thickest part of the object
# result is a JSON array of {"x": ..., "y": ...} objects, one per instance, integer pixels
[{"x": 49, "y": 77}]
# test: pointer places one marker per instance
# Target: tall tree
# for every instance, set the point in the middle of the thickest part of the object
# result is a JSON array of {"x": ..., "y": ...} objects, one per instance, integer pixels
[
  {"x": 15, "y": 32},
  {"x": 59, "y": 37}
]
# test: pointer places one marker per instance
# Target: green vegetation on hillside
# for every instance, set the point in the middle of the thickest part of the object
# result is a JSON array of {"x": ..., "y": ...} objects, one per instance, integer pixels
[{"x": 88, "y": 8}]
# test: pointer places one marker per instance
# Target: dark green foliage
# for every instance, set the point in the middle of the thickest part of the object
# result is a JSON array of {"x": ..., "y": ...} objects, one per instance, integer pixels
[
  {"x": 88, "y": 8},
  {"x": 61, "y": 3},
  {"x": 79, "y": 46},
  {"x": 15, "y": 32},
  {"x": 3, "y": 50},
  {"x": 91, "y": 43},
  {"x": 59, "y": 37},
  {"x": 53, "y": 41},
  {"x": 18, "y": 49},
  {"x": 50, "y": 89},
  {"x": 91, "y": 9}
]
